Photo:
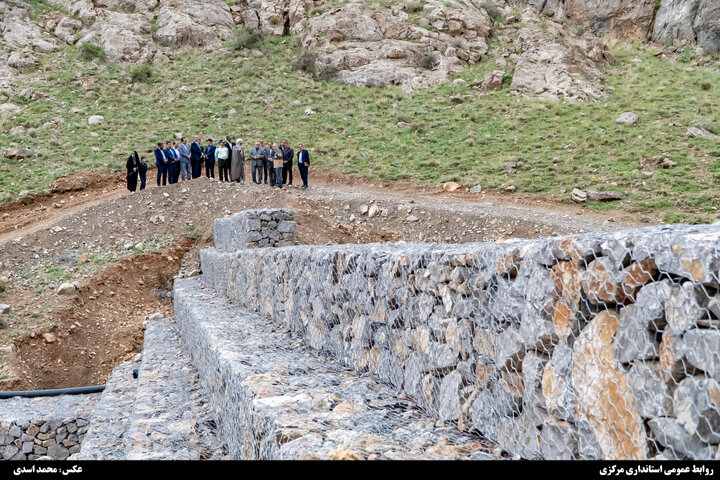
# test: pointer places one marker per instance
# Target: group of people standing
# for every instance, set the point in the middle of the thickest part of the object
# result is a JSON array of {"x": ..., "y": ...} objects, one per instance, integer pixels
[{"x": 182, "y": 161}]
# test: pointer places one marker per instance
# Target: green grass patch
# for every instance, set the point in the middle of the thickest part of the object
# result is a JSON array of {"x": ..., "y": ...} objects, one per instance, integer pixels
[
  {"x": 41, "y": 8},
  {"x": 192, "y": 232}
]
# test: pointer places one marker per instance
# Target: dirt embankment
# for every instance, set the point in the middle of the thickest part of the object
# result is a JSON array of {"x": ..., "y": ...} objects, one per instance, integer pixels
[
  {"x": 148, "y": 237},
  {"x": 102, "y": 327}
]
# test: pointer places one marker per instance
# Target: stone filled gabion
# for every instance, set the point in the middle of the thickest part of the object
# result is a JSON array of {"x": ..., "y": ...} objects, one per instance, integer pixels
[
  {"x": 53, "y": 427},
  {"x": 277, "y": 399},
  {"x": 600, "y": 346},
  {"x": 256, "y": 229}
]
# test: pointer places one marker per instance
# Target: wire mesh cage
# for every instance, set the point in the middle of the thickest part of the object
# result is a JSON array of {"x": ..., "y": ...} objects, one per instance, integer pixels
[{"x": 601, "y": 346}]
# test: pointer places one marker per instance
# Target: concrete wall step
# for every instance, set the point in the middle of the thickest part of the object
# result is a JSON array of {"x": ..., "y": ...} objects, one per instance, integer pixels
[
  {"x": 171, "y": 419},
  {"x": 108, "y": 424},
  {"x": 276, "y": 398}
]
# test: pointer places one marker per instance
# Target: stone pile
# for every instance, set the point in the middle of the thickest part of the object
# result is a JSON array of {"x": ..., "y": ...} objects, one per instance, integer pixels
[
  {"x": 256, "y": 228},
  {"x": 591, "y": 347},
  {"x": 56, "y": 433}
]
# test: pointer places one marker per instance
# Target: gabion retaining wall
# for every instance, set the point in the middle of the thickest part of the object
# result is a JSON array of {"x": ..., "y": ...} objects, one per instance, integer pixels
[
  {"x": 583, "y": 347},
  {"x": 275, "y": 398},
  {"x": 255, "y": 229},
  {"x": 44, "y": 427}
]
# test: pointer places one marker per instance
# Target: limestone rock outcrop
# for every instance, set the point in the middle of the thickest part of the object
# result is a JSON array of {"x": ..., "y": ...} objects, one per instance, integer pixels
[
  {"x": 676, "y": 22},
  {"x": 555, "y": 65},
  {"x": 412, "y": 45},
  {"x": 366, "y": 46},
  {"x": 21, "y": 39}
]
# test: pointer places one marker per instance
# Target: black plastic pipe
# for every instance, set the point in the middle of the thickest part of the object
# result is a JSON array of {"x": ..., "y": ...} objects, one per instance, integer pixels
[{"x": 54, "y": 392}]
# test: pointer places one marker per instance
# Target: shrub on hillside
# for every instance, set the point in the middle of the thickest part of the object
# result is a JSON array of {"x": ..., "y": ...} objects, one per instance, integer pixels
[
  {"x": 414, "y": 6},
  {"x": 306, "y": 63},
  {"x": 710, "y": 126},
  {"x": 90, "y": 51},
  {"x": 325, "y": 71},
  {"x": 142, "y": 73},
  {"x": 428, "y": 61},
  {"x": 249, "y": 38},
  {"x": 492, "y": 11}
]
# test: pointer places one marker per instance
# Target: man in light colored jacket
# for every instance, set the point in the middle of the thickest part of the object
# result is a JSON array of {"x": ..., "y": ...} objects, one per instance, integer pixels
[{"x": 184, "y": 150}]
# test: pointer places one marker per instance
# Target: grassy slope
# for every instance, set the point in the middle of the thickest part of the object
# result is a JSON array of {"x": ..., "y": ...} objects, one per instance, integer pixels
[{"x": 354, "y": 130}]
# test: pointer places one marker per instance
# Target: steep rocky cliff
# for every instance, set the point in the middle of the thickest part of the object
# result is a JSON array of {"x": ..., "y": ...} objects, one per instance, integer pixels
[
  {"x": 411, "y": 44},
  {"x": 674, "y": 22}
]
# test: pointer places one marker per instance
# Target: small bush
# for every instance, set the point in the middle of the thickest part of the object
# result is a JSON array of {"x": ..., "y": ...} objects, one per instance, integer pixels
[
  {"x": 428, "y": 61},
  {"x": 192, "y": 232},
  {"x": 686, "y": 56},
  {"x": 306, "y": 63},
  {"x": 414, "y": 6},
  {"x": 672, "y": 218},
  {"x": 142, "y": 73},
  {"x": 492, "y": 12},
  {"x": 325, "y": 71},
  {"x": 90, "y": 51},
  {"x": 249, "y": 38}
]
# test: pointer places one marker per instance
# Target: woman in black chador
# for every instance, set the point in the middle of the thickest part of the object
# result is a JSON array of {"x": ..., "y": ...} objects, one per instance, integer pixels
[{"x": 132, "y": 165}]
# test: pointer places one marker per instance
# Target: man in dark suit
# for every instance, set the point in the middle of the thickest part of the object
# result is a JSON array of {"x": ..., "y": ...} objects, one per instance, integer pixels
[
  {"x": 210, "y": 159},
  {"x": 288, "y": 154},
  {"x": 269, "y": 169},
  {"x": 303, "y": 157},
  {"x": 161, "y": 162},
  {"x": 196, "y": 157},
  {"x": 257, "y": 157},
  {"x": 170, "y": 154}
]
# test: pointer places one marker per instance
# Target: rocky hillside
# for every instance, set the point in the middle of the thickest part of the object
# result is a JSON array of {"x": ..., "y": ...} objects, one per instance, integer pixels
[
  {"x": 457, "y": 85},
  {"x": 412, "y": 44},
  {"x": 672, "y": 22}
]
